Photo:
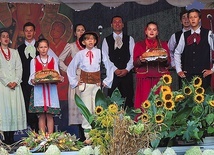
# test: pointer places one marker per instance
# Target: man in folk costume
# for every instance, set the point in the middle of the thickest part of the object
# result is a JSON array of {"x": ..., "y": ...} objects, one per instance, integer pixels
[
  {"x": 195, "y": 48},
  {"x": 119, "y": 47}
]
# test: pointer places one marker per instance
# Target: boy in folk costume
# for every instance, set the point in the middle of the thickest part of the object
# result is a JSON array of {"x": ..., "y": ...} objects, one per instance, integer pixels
[{"x": 89, "y": 60}]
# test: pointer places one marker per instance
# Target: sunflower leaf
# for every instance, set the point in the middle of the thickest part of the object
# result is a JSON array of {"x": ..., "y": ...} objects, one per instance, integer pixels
[
  {"x": 100, "y": 99},
  {"x": 83, "y": 109},
  {"x": 117, "y": 97}
]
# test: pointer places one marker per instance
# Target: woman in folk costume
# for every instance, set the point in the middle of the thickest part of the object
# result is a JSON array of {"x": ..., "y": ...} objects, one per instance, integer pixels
[
  {"x": 70, "y": 51},
  {"x": 12, "y": 111},
  {"x": 45, "y": 99},
  {"x": 149, "y": 71}
]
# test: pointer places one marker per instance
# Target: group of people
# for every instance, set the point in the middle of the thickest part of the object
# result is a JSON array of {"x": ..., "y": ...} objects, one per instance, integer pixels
[{"x": 188, "y": 52}]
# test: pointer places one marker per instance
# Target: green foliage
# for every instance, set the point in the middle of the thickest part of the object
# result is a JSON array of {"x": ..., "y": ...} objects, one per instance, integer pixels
[
  {"x": 187, "y": 114},
  {"x": 83, "y": 109}
]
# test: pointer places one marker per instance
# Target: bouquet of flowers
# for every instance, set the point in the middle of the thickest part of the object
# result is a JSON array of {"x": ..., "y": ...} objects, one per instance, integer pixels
[
  {"x": 113, "y": 129},
  {"x": 186, "y": 113},
  {"x": 41, "y": 141}
]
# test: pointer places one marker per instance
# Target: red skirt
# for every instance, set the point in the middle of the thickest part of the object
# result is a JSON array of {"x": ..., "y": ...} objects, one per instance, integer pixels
[{"x": 143, "y": 88}]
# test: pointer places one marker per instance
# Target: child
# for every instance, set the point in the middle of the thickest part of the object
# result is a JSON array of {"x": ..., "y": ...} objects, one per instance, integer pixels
[
  {"x": 45, "y": 99},
  {"x": 74, "y": 115},
  {"x": 12, "y": 111},
  {"x": 88, "y": 60}
]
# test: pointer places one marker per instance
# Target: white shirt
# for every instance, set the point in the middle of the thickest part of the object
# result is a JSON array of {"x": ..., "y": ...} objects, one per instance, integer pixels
[
  {"x": 105, "y": 50},
  {"x": 179, "y": 49},
  {"x": 172, "y": 45},
  {"x": 81, "y": 61}
]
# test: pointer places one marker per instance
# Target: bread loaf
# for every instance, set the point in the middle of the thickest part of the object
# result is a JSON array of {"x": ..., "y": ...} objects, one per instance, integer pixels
[
  {"x": 47, "y": 74},
  {"x": 157, "y": 52}
]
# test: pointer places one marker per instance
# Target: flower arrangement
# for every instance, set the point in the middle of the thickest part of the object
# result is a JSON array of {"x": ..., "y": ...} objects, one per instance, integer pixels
[
  {"x": 186, "y": 113},
  {"x": 41, "y": 142},
  {"x": 113, "y": 129}
]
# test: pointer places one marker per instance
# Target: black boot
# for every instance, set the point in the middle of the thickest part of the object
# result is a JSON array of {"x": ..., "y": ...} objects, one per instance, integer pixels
[
  {"x": 11, "y": 135},
  {"x": 81, "y": 133},
  {"x": 6, "y": 138}
]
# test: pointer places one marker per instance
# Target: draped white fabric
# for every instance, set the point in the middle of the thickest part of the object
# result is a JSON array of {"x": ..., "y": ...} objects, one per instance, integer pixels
[
  {"x": 180, "y": 3},
  {"x": 87, "y": 4}
]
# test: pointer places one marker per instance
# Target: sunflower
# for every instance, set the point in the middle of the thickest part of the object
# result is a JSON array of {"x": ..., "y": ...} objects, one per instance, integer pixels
[
  {"x": 98, "y": 110},
  {"x": 159, "y": 118},
  {"x": 107, "y": 121},
  {"x": 199, "y": 98},
  {"x": 167, "y": 79},
  {"x": 158, "y": 103},
  {"x": 169, "y": 105},
  {"x": 145, "y": 117},
  {"x": 199, "y": 90},
  {"x": 187, "y": 90},
  {"x": 165, "y": 88},
  {"x": 197, "y": 81},
  {"x": 146, "y": 104},
  {"x": 179, "y": 97},
  {"x": 211, "y": 103},
  {"x": 166, "y": 96},
  {"x": 113, "y": 108}
]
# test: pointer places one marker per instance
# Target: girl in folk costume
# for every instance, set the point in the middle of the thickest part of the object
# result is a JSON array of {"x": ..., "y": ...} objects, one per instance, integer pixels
[
  {"x": 12, "y": 111},
  {"x": 70, "y": 50},
  {"x": 148, "y": 70},
  {"x": 44, "y": 100}
]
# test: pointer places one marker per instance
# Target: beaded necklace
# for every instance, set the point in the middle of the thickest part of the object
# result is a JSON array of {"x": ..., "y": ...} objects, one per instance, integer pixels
[
  {"x": 6, "y": 56},
  {"x": 44, "y": 63}
]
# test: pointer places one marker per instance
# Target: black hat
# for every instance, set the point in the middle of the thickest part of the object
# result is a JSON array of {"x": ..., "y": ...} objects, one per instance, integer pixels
[{"x": 90, "y": 33}]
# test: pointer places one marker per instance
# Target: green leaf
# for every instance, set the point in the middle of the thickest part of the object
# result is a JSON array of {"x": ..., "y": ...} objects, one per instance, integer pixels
[
  {"x": 117, "y": 97},
  {"x": 155, "y": 143},
  {"x": 210, "y": 130},
  {"x": 83, "y": 109},
  {"x": 100, "y": 99},
  {"x": 182, "y": 115},
  {"x": 175, "y": 133},
  {"x": 132, "y": 112},
  {"x": 210, "y": 118}
]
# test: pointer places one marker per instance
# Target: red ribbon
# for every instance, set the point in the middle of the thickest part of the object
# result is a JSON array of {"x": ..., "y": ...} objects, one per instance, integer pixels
[
  {"x": 193, "y": 38},
  {"x": 90, "y": 55},
  {"x": 44, "y": 97}
]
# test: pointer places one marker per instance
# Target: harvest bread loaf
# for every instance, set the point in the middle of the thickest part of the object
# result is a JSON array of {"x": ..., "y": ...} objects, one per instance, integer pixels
[
  {"x": 47, "y": 75},
  {"x": 156, "y": 52}
]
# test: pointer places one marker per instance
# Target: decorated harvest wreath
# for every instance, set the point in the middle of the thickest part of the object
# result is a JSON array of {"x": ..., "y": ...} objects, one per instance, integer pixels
[
  {"x": 156, "y": 52},
  {"x": 47, "y": 76}
]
